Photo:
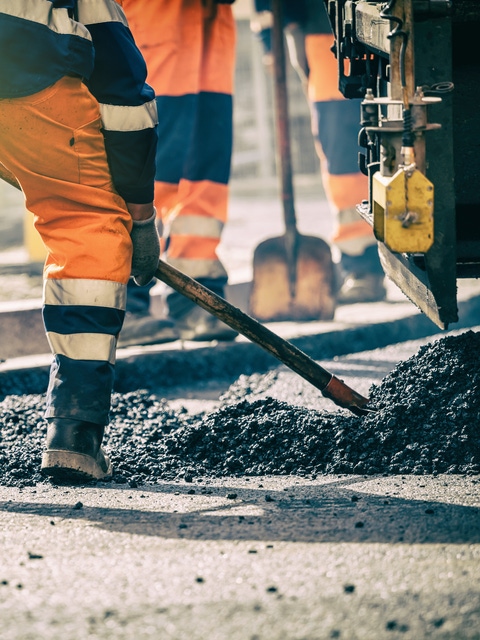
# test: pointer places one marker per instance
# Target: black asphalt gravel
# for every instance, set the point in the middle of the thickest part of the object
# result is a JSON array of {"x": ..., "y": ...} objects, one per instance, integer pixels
[{"x": 426, "y": 421}]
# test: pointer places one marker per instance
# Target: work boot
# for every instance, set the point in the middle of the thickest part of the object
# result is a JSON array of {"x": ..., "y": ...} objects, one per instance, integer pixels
[
  {"x": 192, "y": 321},
  {"x": 200, "y": 325},
  {"x": 365, "y": 288},
  {"x": 361, "y": 278},
  {"x": 143, "y": 329},
  {"x": 73, "y": 451}
]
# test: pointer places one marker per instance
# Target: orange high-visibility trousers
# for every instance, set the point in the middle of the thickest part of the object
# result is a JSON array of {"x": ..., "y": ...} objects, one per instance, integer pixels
[
  {"x": 189, "y": 48},
  {"x": 52, "y": 143},
  {"x": 58, "y": 156},
  {"x": 335, "y": 127}
]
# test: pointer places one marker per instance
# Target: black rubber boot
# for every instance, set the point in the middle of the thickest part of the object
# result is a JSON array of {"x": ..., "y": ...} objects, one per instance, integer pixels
[{"x": 74, "y": 453}]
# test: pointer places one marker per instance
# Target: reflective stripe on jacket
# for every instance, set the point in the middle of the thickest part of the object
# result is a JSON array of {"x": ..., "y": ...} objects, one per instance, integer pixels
[{"x": 44, "y": 40}]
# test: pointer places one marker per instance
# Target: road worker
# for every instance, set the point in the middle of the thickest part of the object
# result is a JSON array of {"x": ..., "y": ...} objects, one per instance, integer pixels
[
  {"x": 335, "y": 127},
  {"x": 189, "y": 48},
  {"x": 78, "y": 135}
]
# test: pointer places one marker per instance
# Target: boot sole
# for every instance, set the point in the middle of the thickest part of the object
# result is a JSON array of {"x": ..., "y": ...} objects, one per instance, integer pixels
[{"x": 70, "y": 466}]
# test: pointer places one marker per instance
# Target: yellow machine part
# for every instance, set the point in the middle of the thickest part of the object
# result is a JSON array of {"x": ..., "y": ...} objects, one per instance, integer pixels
[{"x": 403, "y": 211}]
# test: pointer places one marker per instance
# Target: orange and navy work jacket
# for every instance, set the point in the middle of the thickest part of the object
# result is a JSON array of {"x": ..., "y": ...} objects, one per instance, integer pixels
[{"x": 44, "y": 40}]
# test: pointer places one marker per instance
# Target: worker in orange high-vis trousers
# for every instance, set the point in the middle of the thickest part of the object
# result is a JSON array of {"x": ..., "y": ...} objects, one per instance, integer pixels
[
  {"x": 78, "y": 136},
  {"x": 189, "y": 48},
  {"x": 335, "y": 128}
]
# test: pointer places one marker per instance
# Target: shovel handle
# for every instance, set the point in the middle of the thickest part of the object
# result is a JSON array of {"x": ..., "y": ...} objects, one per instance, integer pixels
[
  {"x": 298, "y": 361},
  {"x": 282, "y": 120},
  {"x": 284, "y": 153}
]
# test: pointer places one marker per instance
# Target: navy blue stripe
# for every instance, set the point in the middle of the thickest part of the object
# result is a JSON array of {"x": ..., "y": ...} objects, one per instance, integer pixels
[
  {"x": 213, "y": 139},
  {"x": 336, "y": 125},
  {"x": 69, "y": 319},
  {"x": 176, "y": 119},
  {"x": 34, "y": 57},
  {"x": 195, "y": 137},
  {"x": 65, "y": 4},
  {"x": 131, "y": 158},
  {"x": 120, "y": 70},
  {"x": 80, "y": 389}
]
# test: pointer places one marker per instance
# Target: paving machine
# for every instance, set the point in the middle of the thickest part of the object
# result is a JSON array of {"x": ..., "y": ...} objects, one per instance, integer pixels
[{"x": 415, "y": 65}]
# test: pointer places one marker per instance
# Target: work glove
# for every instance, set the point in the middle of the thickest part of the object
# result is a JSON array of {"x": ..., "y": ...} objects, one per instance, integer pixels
[{"x": 146, "y": 249}]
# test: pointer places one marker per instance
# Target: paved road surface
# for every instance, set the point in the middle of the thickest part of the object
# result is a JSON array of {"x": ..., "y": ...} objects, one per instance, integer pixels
[
  {"x": 265, "y": 558},
  {"x": 277, "y": 558}
]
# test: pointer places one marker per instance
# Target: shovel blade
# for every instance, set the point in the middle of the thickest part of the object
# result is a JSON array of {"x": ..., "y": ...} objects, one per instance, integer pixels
[{"x": 270, "y": 296}]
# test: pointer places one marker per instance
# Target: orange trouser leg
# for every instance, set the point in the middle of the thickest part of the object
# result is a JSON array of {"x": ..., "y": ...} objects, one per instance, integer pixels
[
  {"x": 335, "y": 126},
  {"x": 52, "y": 143},
  {"x": 189, "y": 47},
  {"x": 202, "y": 206}
]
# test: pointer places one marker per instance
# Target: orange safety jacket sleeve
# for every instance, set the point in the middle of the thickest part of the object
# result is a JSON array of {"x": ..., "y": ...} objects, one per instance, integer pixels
[{"x": 42, "y": 42}]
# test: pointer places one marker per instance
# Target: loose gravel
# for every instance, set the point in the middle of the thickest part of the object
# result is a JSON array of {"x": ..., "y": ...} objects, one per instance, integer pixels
[{"x": 426, "y": 421}]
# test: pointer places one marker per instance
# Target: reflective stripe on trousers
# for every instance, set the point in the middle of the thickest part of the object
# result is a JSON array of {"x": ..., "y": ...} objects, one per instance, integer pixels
[
  {"x": 335, "y": 127},
  {"x": 189, "y": 47},
  {"x": 52, "y": 143}
]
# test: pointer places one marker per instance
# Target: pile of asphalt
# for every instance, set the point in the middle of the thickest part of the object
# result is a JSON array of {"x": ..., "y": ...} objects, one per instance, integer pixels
[{"x": 425, "y": 421}]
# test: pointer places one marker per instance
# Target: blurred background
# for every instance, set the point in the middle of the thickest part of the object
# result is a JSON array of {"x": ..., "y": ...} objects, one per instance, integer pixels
[
  {"x": 254, "y": 156},
  {"x": 255, "y": 203}
]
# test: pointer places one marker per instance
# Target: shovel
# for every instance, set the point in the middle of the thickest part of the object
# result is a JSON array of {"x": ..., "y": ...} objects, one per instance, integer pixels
[
  {"x": 298, "y": 361},
  {"x": 293, "y": 274}
]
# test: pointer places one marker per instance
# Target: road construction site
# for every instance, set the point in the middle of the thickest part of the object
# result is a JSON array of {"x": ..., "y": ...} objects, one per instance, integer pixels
[
  {"x": 239, "y": 517},
  {"x": 245, "y": 505}
]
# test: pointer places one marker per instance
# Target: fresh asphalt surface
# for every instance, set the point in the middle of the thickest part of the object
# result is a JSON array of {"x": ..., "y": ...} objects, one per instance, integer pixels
[
  {"x": 248, "y": 558},
  {"x": 284, "y": 558},
  {"x": 287, "y": 558}
]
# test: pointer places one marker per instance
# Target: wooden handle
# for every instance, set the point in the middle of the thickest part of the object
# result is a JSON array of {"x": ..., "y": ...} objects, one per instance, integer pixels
[
  {"x": 298, "y": 361},
  {"x": 281, "y": 349},
  {"x": 282, "y": 119}
]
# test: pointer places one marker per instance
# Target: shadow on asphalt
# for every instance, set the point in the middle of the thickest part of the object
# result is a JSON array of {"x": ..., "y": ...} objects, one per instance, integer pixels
[{"x": 308, "y": 514}]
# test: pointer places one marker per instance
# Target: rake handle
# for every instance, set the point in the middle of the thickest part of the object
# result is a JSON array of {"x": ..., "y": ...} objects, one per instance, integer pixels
[{"x": 298, "y": 361}]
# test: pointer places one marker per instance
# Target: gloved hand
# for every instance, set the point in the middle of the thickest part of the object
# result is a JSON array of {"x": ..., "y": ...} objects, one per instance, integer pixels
[{"x": 146, "y": 249}]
